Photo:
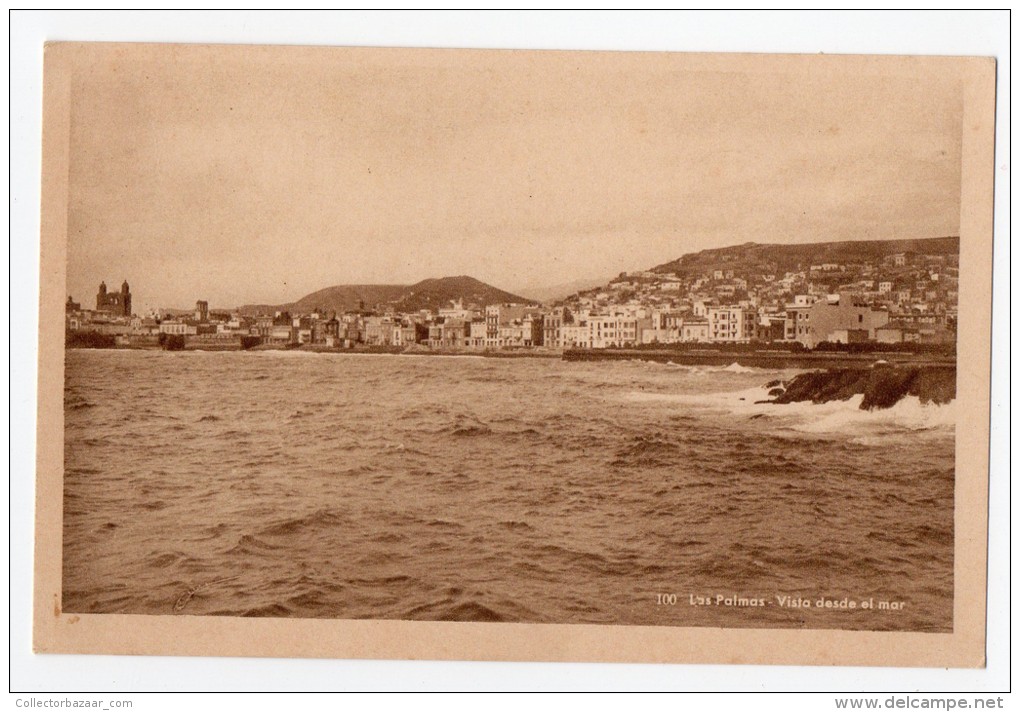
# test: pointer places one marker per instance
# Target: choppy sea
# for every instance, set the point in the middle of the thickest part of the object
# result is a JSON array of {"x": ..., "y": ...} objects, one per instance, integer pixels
[{"x": 467, "y": 488}]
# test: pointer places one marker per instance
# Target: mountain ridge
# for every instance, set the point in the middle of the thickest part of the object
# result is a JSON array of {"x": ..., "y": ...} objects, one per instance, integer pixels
[
  {"x": 432, "y": 293},
  {"x": 797, "y": 256}
]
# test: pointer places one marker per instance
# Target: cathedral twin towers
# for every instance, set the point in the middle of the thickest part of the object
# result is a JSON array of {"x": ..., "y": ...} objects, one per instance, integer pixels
[{"x": 117, "y": 303}]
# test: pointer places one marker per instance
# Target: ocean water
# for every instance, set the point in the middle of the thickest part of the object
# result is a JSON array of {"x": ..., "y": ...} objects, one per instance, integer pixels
[{"x": 466, "y": 488}]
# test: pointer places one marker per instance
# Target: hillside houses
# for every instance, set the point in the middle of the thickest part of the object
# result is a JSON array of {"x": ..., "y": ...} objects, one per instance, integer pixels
[{"x": 907, "y": 296}]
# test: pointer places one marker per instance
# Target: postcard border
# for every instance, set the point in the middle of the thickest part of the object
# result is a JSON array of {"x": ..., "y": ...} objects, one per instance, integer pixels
[{"x": 57, "y": 632}]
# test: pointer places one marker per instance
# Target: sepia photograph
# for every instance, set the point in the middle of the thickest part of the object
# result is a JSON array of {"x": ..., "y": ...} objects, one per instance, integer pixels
[{"x": 609, "y": 341}]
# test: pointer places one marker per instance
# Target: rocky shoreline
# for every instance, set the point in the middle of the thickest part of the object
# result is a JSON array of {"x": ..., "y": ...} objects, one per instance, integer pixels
[{"x": 882, "y": 385}]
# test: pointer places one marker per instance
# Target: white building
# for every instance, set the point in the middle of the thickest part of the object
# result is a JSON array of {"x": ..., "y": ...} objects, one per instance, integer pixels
[
  {"x": 732, "y": 324},
  {"x": 607, "y": 331},
  {"x": 178, "y": 327}
]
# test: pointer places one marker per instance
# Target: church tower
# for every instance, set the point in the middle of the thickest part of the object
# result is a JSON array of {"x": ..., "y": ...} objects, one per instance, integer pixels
[
  {"x": 117, "y": 303},
  {"x": 125, "y": 298}
]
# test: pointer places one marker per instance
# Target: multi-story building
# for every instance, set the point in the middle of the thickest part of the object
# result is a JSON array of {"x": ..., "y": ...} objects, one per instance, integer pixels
[
  {"x": 732, "y": 324},
  {"x": 896, "y": 333},
  {"x": 617, "y": 330},
  {"x": 771, "y": 327},
  {"x": 694, "y": 330},
  {"x": 575, "y": 335},
  {"x": 178, "y": 327},
  {"x": 262, "y": 326},
  {"x": 500, "y": 315},
  {"x": 817, "y": 323},
  {"x": 700, "y": 307},
  {"x": 476, "y": 333},
  {"x": 328, "y": 332},
  {"x": 144, "y": 326},
  {"x": 378, "y": 330},
  {"x": 454, "y": 333},
  {"x": 552, "y": 322},
  {"x": 672, "y": 323},
  {"x": 796, "y": 324},
  {"x": 404, "y": 334},
  {"x": 281, "y": 334},
  {"x": 662, "y": 327}
]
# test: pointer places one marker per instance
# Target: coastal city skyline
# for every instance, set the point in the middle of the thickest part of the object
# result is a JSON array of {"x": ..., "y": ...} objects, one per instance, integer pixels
[
  {"x": 879, "y": 292},
  {"x": 256, "y": 186}
]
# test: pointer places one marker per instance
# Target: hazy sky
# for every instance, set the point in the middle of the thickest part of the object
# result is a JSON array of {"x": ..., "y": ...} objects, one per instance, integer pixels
[{"x": 259, "y": 175}]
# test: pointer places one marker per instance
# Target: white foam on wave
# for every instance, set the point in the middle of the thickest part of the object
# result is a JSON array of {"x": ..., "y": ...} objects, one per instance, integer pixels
[
  {"x": 701, "y": 370},
  {"x": 670, "y": 365},
  {"x": 908, "y": 414},
  {"x": 847, "y": 417},
  {"x": 733, "y": 368},
  {"x": 833, "y": 417},
  {"x": 737, "y": 368}
]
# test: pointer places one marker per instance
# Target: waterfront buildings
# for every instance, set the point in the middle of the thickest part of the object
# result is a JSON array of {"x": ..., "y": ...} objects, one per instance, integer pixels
[
  {"x": 732, "y": 324},
  {"x": 900, "y": 298},
  {"x": 844, "y": 318}
]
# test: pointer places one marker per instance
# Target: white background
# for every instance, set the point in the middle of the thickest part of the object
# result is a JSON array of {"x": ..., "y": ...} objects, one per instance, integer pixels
[{"x": 911, "y": 32}]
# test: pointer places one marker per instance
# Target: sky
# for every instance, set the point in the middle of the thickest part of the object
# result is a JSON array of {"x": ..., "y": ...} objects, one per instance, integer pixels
[{"x": 258, "y": 175}]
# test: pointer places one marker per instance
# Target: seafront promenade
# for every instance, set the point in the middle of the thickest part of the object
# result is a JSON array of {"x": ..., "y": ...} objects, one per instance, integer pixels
[{"x": 748, "y": 358}]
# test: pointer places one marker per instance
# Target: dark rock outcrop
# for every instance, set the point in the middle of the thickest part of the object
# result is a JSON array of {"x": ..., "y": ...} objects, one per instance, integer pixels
[{"x": 881, "y": 385}]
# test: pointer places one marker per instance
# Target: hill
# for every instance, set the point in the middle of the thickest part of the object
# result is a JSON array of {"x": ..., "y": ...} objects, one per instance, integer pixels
[
  {"x": 552, "y": 293},
  {"x": 436, "y": 293},
  {"x": 347, "y": 297},
  {"x": 762, "y": 259},
  {"x": 427, "y": 294}
]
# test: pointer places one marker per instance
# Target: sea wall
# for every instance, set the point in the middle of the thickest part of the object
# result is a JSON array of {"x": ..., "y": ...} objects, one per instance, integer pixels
[{"x": 882, "y": 385}]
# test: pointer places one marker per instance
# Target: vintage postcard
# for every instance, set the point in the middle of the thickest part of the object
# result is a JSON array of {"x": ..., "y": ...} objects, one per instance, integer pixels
[{"x": 514, "y": 355}]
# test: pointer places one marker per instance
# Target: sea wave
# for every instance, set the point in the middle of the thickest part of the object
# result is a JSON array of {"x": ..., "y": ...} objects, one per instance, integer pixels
[
  {"x": 697, "y": 369},
  {"x": 909, "y": 414},
  {"x": 724, "y": 399},
  {"x": 319, "y": 519},
  {"x": 843, "y": 416},
  {"x": 737, "y": 368},
  {"x": 650, "y": 449}
]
